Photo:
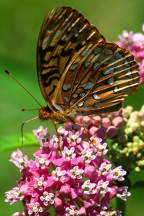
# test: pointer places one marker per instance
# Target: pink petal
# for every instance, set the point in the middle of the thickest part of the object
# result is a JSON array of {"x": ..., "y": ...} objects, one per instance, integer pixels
[{"x": 58, "y": 202}]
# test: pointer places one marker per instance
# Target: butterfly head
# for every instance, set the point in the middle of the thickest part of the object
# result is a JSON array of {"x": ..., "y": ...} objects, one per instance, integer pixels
[{"x": 45, "y": 113}]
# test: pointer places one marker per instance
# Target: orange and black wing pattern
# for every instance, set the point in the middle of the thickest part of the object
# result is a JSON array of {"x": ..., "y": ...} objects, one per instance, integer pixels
[
  {"x": 63, "y": 33},
  {"x": 79, "y": 72},
  {"x": 97, "y": 79}
]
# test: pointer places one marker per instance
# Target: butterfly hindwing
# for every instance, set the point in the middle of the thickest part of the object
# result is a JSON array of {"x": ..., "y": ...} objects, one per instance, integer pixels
[{"x": 97, "y": 79}]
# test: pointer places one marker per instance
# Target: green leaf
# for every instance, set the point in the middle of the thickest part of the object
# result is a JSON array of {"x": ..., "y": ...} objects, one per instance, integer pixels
[{"x": 13, "y": 142}]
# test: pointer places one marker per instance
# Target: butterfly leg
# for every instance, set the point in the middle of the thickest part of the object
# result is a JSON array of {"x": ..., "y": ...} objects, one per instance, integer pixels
[
  {"x": 83, "y": 126},
  {"x": 76, "y": 125},
  {"x": 22, "y": 127},
  {"x": 55, "y": 127}
]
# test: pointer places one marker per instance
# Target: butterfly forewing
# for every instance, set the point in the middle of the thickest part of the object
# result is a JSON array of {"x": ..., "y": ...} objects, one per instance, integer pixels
[
  {"x": 78, "y": 71},
  {"x": 63, "y": 33}
]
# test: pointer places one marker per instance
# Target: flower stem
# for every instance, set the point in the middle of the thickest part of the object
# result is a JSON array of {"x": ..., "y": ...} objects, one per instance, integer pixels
[{"x": 121, "y": 205}]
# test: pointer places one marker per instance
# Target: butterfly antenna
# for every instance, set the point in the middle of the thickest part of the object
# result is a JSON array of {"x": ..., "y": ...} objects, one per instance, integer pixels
[
  {"x": 10, "y": 74},
  {"x": 22, "y": 127},
  {"x": 23, "y": 109}
]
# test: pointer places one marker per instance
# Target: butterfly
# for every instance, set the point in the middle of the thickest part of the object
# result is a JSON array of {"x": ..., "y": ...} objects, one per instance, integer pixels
[{"x": 79, "y": 73}]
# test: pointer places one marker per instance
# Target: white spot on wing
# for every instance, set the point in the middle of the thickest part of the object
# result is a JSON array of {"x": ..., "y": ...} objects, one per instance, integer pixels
[
  {"x": 44, "y": 43},
  {"x": 96, "y": 65},
  {"x": 86, "y": 63},
  {"x": 80, "y": 104},
  {"x": 87, "y": 85},
  {"x": 82, "y": 94},
  {"x": 116, "y": 89},
  {"x": 129, "y": 73},
  {"x": 110, "y": 81},
  {"x": 66, "y": 99},
  {"x": 96, "y": 104},
  {"x": 66, "y": 87},
  {"x": 57, "y": 106},
  {"x": 108, "y": 71},
  {"x": 75, "y": 95},
  {"x": 85, "y": 52},
  {"x": 95, "y": 96},
  {"x": 73, "y": 67},
  {"x": 118, "y": 55}
]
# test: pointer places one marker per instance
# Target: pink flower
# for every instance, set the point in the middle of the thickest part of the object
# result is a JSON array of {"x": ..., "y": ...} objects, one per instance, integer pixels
[
  {"x": 123, "y": 193},
  {"x": 18, "y": 214},
  {"x": 19, "y": 159},
  {"x": 14, "y": 195},
  {"x": 69, "y": 174},
  {"x": 104, "y": 125},
  {"x": 141, "y": 67},
  {"x": 134, "y": 42}
]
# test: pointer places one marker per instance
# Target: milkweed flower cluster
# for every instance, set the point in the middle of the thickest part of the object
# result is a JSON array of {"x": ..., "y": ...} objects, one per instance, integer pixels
[
  {"x": 69, "y": 174},
  {"x": 133, "y": 149},
  {"x": 128, "y": 142},
  {"x": 124, "y": 131},
  {"x": 134, "y": 42},
  {"x": 134, "y": 120},
  {"x": 104, "y": 125}
]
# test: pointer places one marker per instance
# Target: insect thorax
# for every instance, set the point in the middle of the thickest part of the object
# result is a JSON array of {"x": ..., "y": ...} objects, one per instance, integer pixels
[{"x": 45, "y": 113}]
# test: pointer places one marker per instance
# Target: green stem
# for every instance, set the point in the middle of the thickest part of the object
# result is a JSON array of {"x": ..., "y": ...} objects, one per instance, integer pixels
[{"x": 121, "y": 205}]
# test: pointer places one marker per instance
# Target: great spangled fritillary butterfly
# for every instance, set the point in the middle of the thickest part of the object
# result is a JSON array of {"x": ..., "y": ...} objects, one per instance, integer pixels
[{"x": 79, "y": 72}]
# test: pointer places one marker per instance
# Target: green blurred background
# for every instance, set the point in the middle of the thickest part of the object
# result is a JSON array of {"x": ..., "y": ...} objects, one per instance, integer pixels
[{"x": 20, "y": 23}]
